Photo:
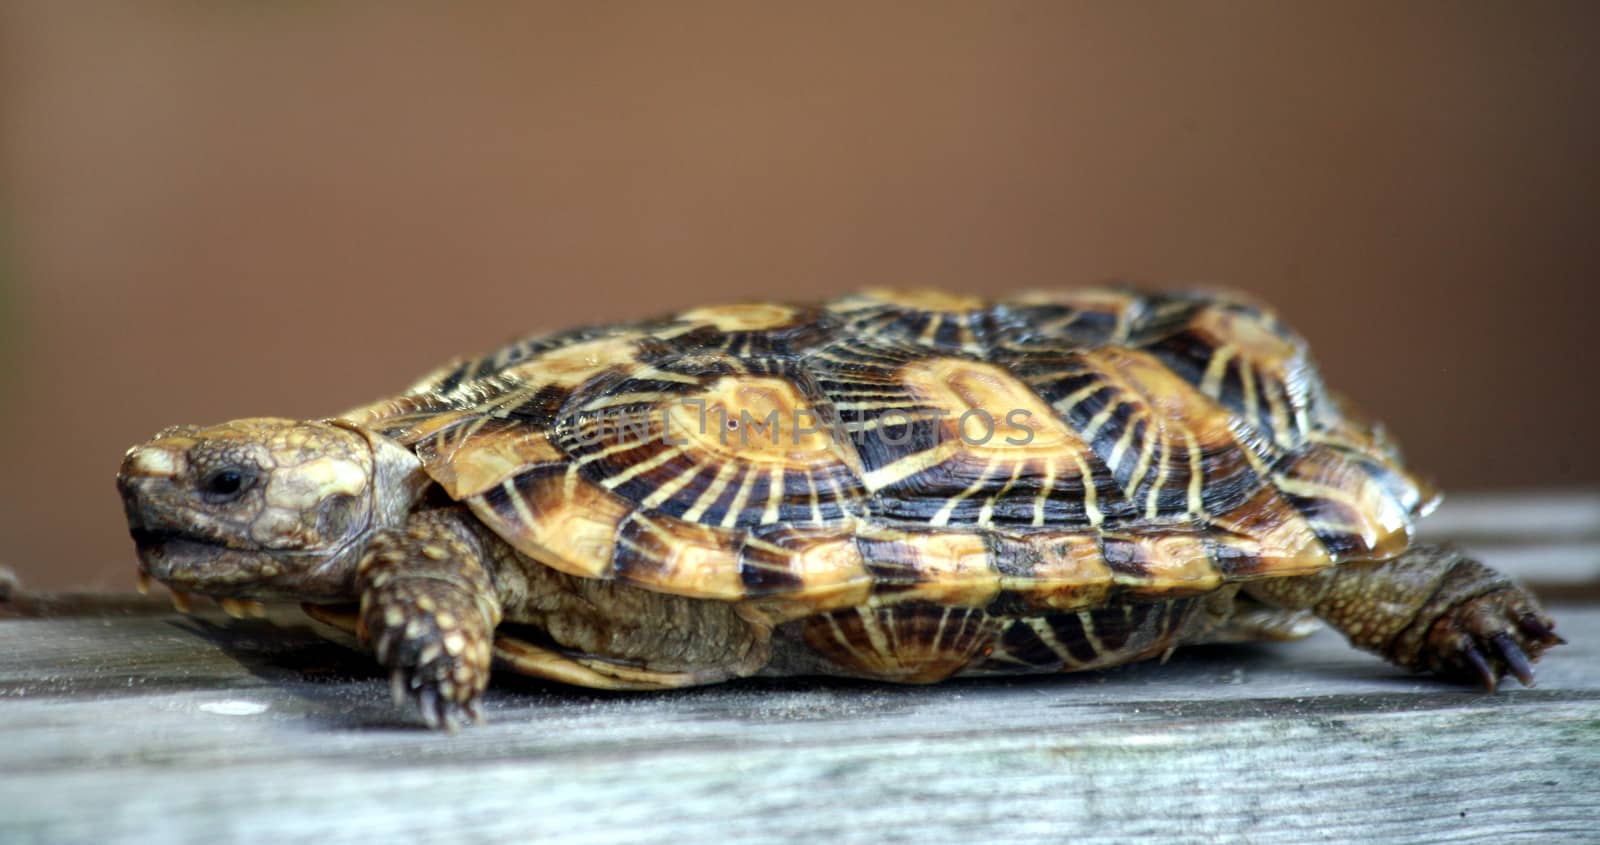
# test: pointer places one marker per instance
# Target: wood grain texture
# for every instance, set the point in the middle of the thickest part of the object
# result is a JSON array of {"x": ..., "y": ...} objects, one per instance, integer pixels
[
  {"x": 123, "y": 721},
  {"x": 1549, "y": 540},
  {"x": 135, "y": 727}
]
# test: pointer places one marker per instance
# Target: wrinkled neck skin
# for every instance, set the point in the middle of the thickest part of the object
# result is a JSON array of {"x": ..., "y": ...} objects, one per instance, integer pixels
[
  {"x": 329, "y": 576},
  {"x": 315, "y": 494},
  {"x": 397, "y": 484}
]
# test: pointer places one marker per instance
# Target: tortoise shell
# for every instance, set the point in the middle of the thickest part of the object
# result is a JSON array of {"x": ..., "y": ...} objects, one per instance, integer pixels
[{"x": 1057, "y": 451}]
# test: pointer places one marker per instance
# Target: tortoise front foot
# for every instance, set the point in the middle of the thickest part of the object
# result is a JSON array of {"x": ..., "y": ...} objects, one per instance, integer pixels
[
  {"x": 1484, "y": 638},
  {"x": 428, "y": 613},
  {"x": 435, "y": 664}
]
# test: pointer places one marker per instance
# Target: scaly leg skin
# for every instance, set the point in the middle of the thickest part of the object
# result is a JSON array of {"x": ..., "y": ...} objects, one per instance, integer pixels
[
  {"x": 428, "y": 611},
  {"x": 1431, "y": 609}
]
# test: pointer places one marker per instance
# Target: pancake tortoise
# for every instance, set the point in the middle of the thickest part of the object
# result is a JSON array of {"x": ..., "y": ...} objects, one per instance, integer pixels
[{"x": 904, "y": 486}]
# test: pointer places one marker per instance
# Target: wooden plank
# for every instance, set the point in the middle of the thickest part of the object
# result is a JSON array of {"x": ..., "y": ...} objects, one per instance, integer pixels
[
  {"x": 123, "y": 721},
  {"x": 1549, "y": 540},
  {"x": 1537, "y": 516},
  {"x": 127, "y": 724}
]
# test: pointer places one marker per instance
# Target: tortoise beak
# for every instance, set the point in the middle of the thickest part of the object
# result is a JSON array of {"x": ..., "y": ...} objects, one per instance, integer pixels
[
  {"x": 162, "y": 457},
  {"x": 145, "y": 469},
  {"x": 149, "y": 462}
]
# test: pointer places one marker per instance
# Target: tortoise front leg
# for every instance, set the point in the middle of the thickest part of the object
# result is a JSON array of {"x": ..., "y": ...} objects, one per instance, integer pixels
[
  {"x": 428, "y": 611},
  {"x": 1429, "y": 609}
]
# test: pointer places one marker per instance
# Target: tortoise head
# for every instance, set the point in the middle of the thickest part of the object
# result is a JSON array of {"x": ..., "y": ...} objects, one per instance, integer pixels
[{"x": 263, "y": 508}]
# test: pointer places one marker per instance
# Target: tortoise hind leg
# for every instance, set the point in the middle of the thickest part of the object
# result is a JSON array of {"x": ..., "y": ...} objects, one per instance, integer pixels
[
  {"x": 1430, "y": 609},
  {"x": 1228, "y": 616}
]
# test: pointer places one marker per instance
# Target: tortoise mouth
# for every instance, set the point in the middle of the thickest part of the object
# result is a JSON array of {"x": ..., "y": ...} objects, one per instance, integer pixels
[
  {"x": 194, "y": 564},
  {"x": 187, "y": 563},
  {"x": 143, "y": 537}
]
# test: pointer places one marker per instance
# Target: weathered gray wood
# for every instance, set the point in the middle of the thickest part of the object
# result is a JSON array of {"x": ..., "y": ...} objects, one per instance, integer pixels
[
  {"x": 120, "y": 721},
  {"x": 1547, "y": 539},
  {"x": 1533, "y": 516},
  {"x": 155, "y": 726}
]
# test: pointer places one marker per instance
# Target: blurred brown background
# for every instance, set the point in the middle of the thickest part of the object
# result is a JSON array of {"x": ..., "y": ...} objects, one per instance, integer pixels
[{"x": 223, "y": 209}]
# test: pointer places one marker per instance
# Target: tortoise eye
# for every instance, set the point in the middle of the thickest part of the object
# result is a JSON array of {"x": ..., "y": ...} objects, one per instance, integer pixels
[{"x": 226, "y": 484}]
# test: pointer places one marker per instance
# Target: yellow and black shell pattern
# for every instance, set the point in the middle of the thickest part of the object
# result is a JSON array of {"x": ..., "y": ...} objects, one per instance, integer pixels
[{"x": 1058, "y": 451}]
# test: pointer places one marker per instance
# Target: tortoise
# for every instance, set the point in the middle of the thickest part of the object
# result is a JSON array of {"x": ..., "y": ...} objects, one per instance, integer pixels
[{"x": 897, "y": 485}]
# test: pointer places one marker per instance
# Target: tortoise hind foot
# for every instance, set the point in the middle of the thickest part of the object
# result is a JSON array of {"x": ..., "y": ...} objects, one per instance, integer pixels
[
  {"x": 1485, "y": 637},
  {"x": 1432, "y": 608},
  {"x": 428, "y": 612}
]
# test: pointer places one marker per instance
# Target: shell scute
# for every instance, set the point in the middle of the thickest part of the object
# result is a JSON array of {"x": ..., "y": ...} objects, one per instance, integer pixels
[
  {"x": 663, "y": 553},
  {"x": 947, "y": 567},
  {"x": 925, "y": 318},
  {"x": 725, "y": 450},
  {"x": 806, "y": 567},
  {"x": 552, "y": 516}
]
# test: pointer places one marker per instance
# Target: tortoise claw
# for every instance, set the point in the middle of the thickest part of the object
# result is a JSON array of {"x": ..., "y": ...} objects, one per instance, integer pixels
[
  {"x": 1516, "y": 661},
  {"x": 1481, "y": 666},
  {"x": 474, "y": 711},
  {"x": 1491, "y": 635},
  {"x": 428, "y": 706},
  {"x": 397, "y": 687},
  {"x": 438, "y": 711}
]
